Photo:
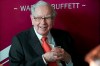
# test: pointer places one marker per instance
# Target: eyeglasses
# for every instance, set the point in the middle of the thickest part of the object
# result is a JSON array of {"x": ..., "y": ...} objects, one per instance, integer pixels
[{"x": 47, "y": 18}]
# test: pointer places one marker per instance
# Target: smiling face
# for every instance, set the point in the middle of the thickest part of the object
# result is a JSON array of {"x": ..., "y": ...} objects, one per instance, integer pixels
[{"x": 42, "y": 20}]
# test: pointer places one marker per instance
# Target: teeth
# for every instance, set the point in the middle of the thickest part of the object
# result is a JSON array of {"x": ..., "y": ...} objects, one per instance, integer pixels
[{"x": 43, "y": 27}]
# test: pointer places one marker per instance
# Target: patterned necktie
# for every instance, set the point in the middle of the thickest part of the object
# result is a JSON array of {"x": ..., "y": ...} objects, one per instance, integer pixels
[{"x": 46, "y": 47}]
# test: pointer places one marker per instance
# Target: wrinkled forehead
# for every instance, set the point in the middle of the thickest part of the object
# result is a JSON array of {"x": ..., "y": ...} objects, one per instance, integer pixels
[{"x": 43, "y": 10}]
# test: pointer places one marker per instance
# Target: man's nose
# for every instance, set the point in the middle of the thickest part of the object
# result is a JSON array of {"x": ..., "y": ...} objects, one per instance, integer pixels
[{"x": 43, "y": 21}]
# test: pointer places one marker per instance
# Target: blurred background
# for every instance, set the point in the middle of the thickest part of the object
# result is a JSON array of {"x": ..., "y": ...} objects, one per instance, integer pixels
[{"x": 79, "y": 17}]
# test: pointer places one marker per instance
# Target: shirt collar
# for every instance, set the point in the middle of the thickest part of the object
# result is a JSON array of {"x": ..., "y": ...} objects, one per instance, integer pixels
[
  {"x": 40, "y": 36},
  {"x": 49, "y": 36}
]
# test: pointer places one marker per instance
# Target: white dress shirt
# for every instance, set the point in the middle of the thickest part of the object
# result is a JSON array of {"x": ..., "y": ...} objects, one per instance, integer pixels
[{"x": 51, "y": 42}]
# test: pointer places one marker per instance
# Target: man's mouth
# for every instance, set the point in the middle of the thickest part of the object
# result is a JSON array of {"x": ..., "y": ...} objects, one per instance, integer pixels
[{"x": 43, "y": 27}]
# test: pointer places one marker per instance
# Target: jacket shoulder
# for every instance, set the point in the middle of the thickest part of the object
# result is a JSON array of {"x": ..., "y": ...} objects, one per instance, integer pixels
[
  {"x": 24, "y": 33},
  {"x": 59, "y": 32}
]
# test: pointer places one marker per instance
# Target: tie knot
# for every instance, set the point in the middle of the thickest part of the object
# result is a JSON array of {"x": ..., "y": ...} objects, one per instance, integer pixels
[{"x": 44, "y": 38}]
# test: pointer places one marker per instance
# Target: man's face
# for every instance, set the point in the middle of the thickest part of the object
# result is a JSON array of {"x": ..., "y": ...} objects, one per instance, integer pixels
[{"x": 42, "y": 20}]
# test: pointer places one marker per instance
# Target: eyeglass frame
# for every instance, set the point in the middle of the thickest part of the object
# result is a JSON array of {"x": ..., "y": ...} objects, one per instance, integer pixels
[{"x": 47, "y": 18}]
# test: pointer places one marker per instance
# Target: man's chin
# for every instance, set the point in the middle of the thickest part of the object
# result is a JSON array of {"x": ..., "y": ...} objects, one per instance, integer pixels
[{"x": 43, "y": 33}]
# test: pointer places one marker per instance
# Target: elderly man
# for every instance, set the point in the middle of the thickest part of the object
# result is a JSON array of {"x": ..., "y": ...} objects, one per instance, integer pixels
[{"x": 41, "y": 45}]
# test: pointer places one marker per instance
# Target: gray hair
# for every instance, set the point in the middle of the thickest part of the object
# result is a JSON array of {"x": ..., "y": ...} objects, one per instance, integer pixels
[{"x": 41, "y": 3}]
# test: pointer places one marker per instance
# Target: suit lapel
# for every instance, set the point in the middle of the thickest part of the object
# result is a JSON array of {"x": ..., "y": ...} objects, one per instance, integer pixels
[
  {"x": 57, "y": 42},
  {"x": 35, "y": 43},
  {"x": 55, "y": 37}
]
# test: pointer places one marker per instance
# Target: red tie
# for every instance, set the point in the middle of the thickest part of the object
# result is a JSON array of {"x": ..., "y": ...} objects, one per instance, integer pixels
[{"x": 47, "y": 48}]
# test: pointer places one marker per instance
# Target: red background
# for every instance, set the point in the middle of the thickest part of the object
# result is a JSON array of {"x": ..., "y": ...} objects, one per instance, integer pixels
[{"x": 82, "y": 23}]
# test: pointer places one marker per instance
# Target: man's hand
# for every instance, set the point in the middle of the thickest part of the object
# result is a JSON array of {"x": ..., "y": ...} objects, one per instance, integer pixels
[
  {"x": 50, "y": 56},
  {"x": 57, "y": 54},
  {"x": 64, "y": 56}
]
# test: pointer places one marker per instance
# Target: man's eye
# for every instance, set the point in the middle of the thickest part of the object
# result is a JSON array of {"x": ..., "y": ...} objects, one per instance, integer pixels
[
  {"x": 47, "y": 17},
  {"x": 37, "y": 18}
]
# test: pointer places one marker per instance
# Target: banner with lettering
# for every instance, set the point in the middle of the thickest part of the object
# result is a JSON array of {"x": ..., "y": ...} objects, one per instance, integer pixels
[{"x": 79, "y": 17}]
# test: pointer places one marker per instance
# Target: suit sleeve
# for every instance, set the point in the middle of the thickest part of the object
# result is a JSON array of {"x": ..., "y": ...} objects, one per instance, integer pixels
[{"x": 17, "y": 56}]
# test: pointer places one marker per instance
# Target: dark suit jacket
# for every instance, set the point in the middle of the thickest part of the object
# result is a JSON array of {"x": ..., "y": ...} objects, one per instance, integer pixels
[{"x": 26, "y": 49}]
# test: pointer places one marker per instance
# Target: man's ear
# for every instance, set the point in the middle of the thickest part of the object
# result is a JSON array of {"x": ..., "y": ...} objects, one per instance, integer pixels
[{"x": 32, "y": 19}]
